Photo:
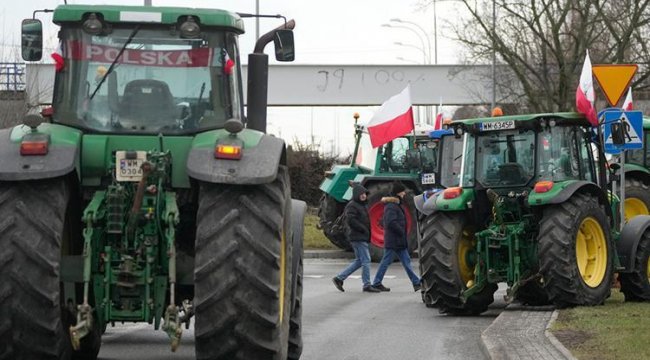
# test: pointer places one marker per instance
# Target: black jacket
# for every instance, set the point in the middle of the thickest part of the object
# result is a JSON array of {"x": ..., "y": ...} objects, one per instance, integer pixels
[
  {"x": 357, "y": 221},
  {"x": 394, "y": 224}
]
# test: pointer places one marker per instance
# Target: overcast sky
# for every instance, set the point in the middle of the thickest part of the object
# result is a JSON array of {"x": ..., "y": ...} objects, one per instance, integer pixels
[{"x": 327, "y": 32}]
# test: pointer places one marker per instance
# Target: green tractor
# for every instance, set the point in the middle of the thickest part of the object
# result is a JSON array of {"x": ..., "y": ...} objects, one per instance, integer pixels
[
  {"x": 145, "y": 195},
  {"x": 409, "y": 159},
  {"x": 533, "y": 210}
]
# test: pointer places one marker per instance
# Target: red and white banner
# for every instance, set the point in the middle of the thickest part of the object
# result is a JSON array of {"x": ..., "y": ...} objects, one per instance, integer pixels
[
  {"x": 628, "y": 104},
  {"x": 393, "y": 119},
  {"x": 585, "y": 93},
  {"x": 164, "y": 58}
]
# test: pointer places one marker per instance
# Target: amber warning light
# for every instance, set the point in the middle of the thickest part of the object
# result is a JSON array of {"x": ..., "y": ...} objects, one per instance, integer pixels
[
  {"x": 232, "y": 152},
  {"x": 34, "y": 145}
]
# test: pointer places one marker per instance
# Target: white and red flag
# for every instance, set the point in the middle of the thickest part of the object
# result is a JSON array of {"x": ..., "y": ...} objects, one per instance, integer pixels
[
  {"x": 585, "y": 93},
  {"x": 393, "y": 119},
  {"x": 437, "y": 124},
  {"x": 628, "y": 104}
]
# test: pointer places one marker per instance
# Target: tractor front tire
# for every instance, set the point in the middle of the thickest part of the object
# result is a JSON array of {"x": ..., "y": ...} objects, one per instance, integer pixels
[
  {"x": 32, "y": 217},
  {"x": 242, "y": 271},
  {"x": 329, "y": 215},
  {"x": 375, "y": 213},
  {"x": 298, "y": 210},
  {"x": 576, "y": 252},
  {"x": 635, "y": 285},
  {"x": 637, "y": 198},
  {"x": 446, "y": 239}
]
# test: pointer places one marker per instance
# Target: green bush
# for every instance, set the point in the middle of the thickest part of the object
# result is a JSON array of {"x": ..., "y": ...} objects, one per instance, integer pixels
[{"x": 307, "y": 169}]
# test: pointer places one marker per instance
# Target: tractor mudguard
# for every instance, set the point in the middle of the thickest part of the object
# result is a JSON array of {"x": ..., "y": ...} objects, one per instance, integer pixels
[
  {"x": 427, "y": 206},
  {"x": 630, "y": 236},
  {"x": 561, "y": 192},
  {"x": 258, "y": 164},
  {"x": 62, "y": 156}
]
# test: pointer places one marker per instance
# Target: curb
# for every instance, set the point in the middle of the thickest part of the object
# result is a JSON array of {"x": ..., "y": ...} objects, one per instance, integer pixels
[
  {"x": 512, "y": 335},
  {"x": 558, "y": 345}
]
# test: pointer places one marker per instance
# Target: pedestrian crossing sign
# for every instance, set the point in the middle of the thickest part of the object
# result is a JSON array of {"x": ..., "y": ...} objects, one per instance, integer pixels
[{"x": 632, "y": 123}]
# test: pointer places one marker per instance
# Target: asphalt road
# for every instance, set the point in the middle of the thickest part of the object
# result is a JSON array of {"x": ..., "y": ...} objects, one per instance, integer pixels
[{"x": 341, "y": 326}]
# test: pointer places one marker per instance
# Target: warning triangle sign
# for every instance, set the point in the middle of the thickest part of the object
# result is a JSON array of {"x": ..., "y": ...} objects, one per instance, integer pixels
[{"x": 614, "y": 80}]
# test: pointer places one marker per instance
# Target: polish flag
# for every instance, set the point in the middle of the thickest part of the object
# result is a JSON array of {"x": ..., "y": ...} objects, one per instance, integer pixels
[
  {"x": 393, "y": 119},
  {"x": 585, "y": 93},
  {"x": 628, "y": 104},
  {"x": 59, "y": 63},
  {"x": 437, "y": 125}
]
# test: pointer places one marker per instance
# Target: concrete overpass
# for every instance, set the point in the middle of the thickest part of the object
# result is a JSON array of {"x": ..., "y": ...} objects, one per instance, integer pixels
[{"x": 341, "y": 85}]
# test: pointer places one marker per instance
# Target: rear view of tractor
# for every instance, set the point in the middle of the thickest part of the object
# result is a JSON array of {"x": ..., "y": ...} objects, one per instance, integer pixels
[
  {"x": 145, "y": 195},
  {"x": 533, "y": 210},
  {"x": 409, "y": 159}
]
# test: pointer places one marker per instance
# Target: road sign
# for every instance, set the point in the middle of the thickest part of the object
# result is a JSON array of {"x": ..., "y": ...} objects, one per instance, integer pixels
[
  {"x": 632, "y": 122},
  {"x": 614, "y": 80}
]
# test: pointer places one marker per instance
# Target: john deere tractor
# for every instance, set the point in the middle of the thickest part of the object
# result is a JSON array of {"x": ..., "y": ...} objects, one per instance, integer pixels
[
  {"x": 409, "y": 159},
  {"x": 533, "y": 210},
  {"x": 637, "y": 177},
  {"x": 145, "y": 195}
]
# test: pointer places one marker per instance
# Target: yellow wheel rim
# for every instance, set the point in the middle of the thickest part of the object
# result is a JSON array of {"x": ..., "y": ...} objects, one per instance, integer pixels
[
  {"x": 465, "y": 248},
  {"x": 591, "y": 252},
  {"x": 648, "y": 270},
  {"x": 634, "y": 207}
]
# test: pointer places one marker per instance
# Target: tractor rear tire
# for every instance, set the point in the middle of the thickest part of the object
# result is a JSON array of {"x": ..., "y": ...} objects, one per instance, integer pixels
[
  {"x": 576, "y": 252},
  {"x": 444, "y": 273},
  {"x": 298, "y": 210},
  {"x": 329, "y": 214},
  {"x": 242, "y": 271},
  {"x": 635, "y": 285},
  {"x": 375, "y": 213},
  {"x": 637, "y": 198},
  {"x": 32, "y": 217}
]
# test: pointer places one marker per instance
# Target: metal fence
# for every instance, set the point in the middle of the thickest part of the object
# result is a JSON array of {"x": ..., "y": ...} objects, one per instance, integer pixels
[{"x": 12, "y": 76}]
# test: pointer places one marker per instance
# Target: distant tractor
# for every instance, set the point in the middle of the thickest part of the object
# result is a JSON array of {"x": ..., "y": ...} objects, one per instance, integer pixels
[
  {"x": 533, "y": 210},
  {"x": 145, "y": 194},
  {"x": 409, "y": 159},
  {"x": 637, "y": 177}
]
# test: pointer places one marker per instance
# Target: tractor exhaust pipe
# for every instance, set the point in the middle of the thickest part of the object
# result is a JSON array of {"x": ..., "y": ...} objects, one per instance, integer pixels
[{"x": 258, "y": 80}]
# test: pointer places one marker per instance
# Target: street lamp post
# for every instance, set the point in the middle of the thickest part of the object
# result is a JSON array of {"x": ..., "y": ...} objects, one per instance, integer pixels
[
  {"x": 407, "y": 60},
  {"x": 411, "y": 30},
  {"x": 397, "y": 20},
  {"x": 424, "y": 54}
]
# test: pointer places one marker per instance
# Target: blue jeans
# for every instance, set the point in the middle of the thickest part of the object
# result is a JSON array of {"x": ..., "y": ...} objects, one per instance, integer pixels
[
  {"x": 361, "y": 260},
  {"x": 387, "y": 259}
]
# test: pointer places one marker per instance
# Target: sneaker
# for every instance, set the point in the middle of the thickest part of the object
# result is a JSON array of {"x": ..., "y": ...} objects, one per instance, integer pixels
[
  {"x": 371, "y": 289},
  {"x": 381, "y": 287},
  {"x": 338, "y": 283},
  {"x": 417, "y": 287}
]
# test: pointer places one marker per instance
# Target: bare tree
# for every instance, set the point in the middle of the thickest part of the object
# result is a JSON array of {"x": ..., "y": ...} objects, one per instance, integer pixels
[{"x": 543, "y": 43}]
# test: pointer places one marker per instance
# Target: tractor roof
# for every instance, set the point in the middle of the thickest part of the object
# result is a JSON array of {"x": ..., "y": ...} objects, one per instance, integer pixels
[
  {"x": 646, "y": 122},
  {"x": 524, "y": 117},
  {"x": 147, "y": 14}
]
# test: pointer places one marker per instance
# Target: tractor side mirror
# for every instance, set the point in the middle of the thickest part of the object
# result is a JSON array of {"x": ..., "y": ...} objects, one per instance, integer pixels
[
  {"x": 31, "y": 39},
  {"x": 284, "y": 48},
  {"x": 618, "y": 133}
]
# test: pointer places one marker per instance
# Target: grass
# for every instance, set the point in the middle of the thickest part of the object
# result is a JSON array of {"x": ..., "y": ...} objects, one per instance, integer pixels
[
  {"x": 314, "y": 237},
  {"x": 616, "y": 330}
]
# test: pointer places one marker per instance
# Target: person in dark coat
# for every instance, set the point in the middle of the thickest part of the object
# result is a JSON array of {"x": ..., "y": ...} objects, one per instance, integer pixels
[
  {"x": 357, "y": 229},
  {"x": 395, "y": 238}
]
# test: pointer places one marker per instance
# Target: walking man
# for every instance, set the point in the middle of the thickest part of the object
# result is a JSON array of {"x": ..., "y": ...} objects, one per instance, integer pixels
[
  {"x": 357, "y": 229},
  {"x": 395, "y": 243}
]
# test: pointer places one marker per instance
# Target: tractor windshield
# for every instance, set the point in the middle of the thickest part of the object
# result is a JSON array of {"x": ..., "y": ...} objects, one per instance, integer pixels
[
  {"x": 505, "y": 158},
  {"x": 159, "y": 83},
  {"x": 564, "y": 153}
]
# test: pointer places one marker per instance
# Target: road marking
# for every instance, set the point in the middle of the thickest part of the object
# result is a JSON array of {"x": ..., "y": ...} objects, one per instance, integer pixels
[
  {"x": 350, "y": 277},
  {"x": 314, "y": 276}
]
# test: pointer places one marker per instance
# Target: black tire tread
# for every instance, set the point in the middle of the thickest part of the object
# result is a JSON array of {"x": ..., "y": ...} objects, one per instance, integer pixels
[
  {"x": 635, "y": 285},
  {"x": 32, "y": 214},
  {"x": 442, "y": 284},
  {"x": 236, "y": 299},
  {"x": 329, "y": 211},
  {"x": 556, "y": 241}
]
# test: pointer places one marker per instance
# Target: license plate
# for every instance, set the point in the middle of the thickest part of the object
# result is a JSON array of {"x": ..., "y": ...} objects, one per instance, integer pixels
[
  {"x": 429, "y": 178},
  {"x": 129, "y": 169},
  {"x": 497, "y": 125}
]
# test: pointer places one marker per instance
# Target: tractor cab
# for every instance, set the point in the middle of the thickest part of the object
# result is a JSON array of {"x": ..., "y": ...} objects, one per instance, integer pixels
[{"x": 147, "y": 78}]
